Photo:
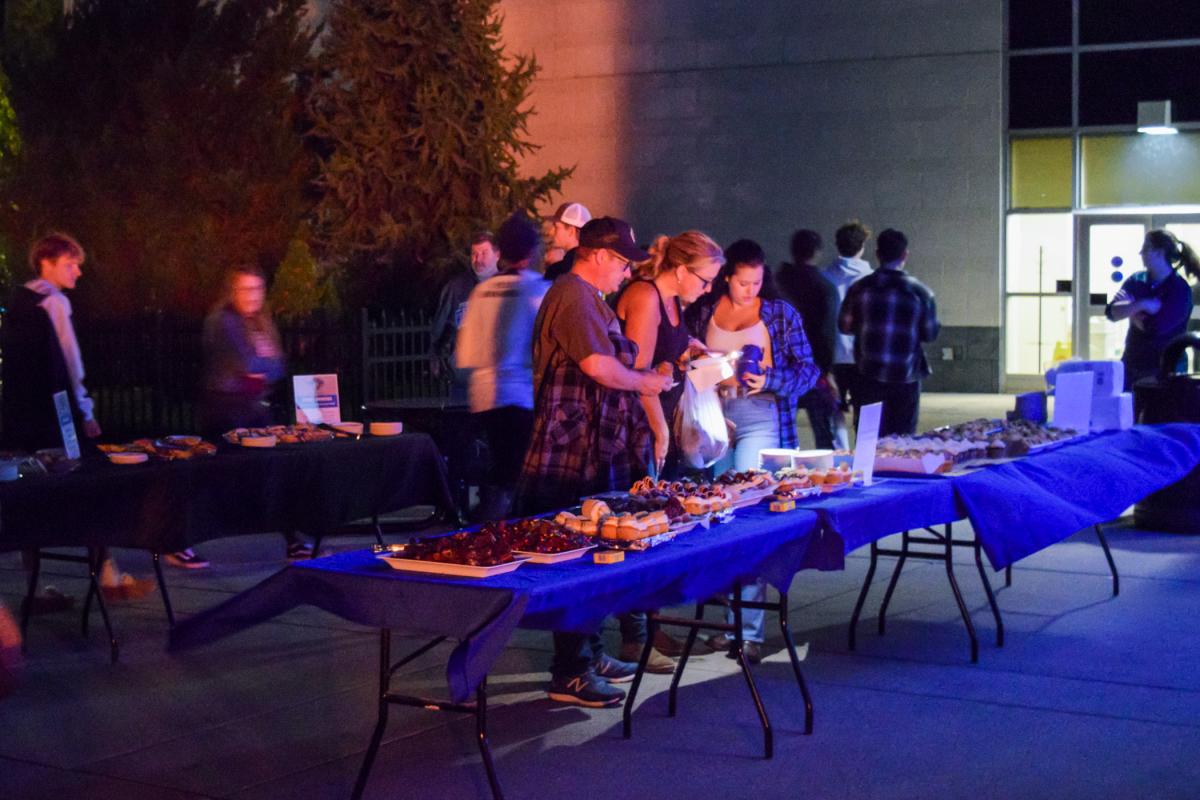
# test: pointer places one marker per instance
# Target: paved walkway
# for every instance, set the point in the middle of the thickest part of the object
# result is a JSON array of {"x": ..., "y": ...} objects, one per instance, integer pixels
[{"x": 1090, "y": 697}]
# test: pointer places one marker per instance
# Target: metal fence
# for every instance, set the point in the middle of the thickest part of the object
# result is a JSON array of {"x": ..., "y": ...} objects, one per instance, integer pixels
[{"x": 145, "y": 373}]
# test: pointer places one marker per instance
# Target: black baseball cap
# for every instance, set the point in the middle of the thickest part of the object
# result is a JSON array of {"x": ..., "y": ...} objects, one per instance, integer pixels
[
  {"x": 610, "y": 233},
  {"x": 517, "y": 238}
]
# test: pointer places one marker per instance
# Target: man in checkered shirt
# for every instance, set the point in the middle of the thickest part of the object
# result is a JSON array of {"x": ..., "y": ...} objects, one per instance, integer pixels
[{"x": 890, "y": 313}]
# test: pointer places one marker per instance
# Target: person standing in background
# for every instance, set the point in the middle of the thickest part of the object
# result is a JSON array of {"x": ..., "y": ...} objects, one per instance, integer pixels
[
  {"x": 452, "y": 305},
  {"x": 802, "y": 284},
  {"x": 41, "y": 359},
  {"x": 243, "y": 359},
  {"x": 848, "y": 267},
  {"x": 495, "y": 348},
  {"x": 1157, "y": 302},
  {"x": 890, "y": 313},
  {"x": 568, "y": 221}
]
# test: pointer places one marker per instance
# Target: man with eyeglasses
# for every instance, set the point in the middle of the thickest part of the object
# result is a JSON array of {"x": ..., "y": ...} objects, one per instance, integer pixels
[{"x": 590, "y": 433}]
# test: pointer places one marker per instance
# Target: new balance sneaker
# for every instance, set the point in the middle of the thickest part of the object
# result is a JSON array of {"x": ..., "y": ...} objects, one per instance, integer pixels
[
  {"x": 587, "y": 689},
  {"x": 613, "y": 670},
  {"x": 185, "y": 559}
]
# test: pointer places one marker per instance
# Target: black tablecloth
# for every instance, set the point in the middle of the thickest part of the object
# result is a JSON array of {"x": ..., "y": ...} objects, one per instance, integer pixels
[{"x": 169, "y": 506}]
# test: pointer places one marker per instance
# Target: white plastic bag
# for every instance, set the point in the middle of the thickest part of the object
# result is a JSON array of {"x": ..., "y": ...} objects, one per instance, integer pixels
[{"x": 700, "y": 431}]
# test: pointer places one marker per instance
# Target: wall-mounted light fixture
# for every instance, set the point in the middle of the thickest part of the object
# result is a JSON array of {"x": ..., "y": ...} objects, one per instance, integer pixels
[{"x": 1154, "y": 117}]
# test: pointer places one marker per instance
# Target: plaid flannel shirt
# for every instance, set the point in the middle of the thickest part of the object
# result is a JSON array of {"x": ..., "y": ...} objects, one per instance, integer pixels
[
  {"x": 586, "y": 438},
  {"x": 793, "y": 373},
  {"x": 890, "y": 313}
]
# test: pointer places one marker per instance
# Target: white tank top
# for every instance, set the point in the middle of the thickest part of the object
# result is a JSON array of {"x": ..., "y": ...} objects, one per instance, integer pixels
[{"x": 722, "y": 341}]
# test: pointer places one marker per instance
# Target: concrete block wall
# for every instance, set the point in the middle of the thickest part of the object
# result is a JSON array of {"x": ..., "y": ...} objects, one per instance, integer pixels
[{"x": 757, "y": 117}]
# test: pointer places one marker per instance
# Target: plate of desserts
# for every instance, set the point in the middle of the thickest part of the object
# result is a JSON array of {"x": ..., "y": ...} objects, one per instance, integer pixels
[{"x": 478, "y": 553}]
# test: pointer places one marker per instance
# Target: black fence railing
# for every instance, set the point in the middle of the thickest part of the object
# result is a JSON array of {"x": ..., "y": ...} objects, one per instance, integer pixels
[{"x": 144, "y": 373}]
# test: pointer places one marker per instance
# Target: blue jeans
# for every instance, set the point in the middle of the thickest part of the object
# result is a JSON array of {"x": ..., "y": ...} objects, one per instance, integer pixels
[{"x": 757, "y": 421}]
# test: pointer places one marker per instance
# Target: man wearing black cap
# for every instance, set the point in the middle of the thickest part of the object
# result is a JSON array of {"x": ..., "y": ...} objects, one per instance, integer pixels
[
  {"x": 495, "y": 346},
  {"x": 590, "y": 434}
]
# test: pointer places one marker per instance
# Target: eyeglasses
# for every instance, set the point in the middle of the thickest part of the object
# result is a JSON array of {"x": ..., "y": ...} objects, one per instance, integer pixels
[
  {"x": 626, "y": 264},
  {"x": 706, "y": 282}
]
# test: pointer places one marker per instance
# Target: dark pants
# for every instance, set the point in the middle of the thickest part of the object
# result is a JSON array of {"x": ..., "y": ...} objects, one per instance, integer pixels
[
  {"x": 901, "y": 404},
  {"x": 846, "y": 375},
  {"x": 508, "y": 430},
  {"x": 820, "y": 407},
  {"x": 574, "y": 654}
]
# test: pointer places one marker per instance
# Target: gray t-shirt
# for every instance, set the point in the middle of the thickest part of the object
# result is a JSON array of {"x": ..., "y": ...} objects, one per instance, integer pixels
[{"x": 574, "y": 319}]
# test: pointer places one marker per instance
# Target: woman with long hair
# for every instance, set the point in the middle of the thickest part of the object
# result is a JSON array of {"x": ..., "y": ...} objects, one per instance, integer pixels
[
  {"x": 741, "y": 312},
  {"x": 1157, "y": 302},
  {"x": 651, "y": 312},
  {"x": 243, "y": 359}
]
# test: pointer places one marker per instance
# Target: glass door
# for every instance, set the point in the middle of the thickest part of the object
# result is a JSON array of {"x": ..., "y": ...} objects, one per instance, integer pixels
[{"x": 1108, "y": 254}]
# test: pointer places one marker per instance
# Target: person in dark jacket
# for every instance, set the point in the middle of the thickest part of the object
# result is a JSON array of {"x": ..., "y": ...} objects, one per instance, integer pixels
[
  {"x": 41, "y": 359},
  {"x": 802, "y": 284}
]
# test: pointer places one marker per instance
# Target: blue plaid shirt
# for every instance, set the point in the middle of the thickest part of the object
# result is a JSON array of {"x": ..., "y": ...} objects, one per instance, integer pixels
[
  {"x": 890, "y": 313},
  {"x": 794, "y": 372}
]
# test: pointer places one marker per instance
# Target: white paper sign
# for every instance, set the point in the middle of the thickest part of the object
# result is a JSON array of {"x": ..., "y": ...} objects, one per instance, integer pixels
[
  {"x": 865, "y": 441},
  {"x": 66, "y": 424},
  {"x": 1073, "y": 401},
  {"x": 317, "y": 399}
]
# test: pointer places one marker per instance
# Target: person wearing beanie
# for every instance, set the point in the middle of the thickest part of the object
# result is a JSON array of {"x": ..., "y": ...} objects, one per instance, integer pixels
[{"x": 495, "y": 349}]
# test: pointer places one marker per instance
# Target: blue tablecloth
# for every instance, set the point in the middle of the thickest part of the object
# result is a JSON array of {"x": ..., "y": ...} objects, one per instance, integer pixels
[
  {"x": 862, "y": 515},
  {"x": 1023, "y": 506},
  {"x": 481, "y": 614}
]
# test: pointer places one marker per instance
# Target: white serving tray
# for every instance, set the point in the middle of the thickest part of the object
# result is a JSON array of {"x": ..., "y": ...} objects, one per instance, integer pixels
[
  {"x": 553, "y": 558},
  {"x": 455, "y": 570}
]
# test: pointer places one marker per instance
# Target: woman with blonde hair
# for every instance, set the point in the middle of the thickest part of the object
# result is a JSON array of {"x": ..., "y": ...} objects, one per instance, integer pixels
[
  {"x": 651, "y": 311},
  {"x": 683, "y": 267}
]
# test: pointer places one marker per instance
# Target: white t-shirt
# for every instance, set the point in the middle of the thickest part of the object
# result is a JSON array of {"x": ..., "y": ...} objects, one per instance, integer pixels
[{"x": 495, "y": 340}]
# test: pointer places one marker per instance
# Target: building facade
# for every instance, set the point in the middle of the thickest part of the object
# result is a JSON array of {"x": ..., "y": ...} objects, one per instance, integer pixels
[{"x": 952, "y": 120}]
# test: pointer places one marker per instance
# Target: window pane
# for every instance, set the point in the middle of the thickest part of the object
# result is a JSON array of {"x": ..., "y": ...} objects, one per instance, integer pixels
[
  {"x": 1037, "y": 334},
  {"x": 1038, "y": 252},
  {"x": 1112, "y": 21},
  {"x": 1141, "y": 170},
  {"x": 1039, "y": 91},
  {"x": 1041, "y": 173},
  {"x": 1039, "y": 23},
  {"x": 1111, "y": 84}
]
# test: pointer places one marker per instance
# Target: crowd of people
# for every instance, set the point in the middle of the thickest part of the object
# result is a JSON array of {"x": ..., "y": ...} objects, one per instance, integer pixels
[
  {"x": 575, "y": 371},
  {"x": 571, "y": 345}
]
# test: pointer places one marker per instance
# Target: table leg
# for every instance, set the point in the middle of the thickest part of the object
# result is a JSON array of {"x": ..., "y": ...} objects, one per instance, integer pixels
[
  {"x": 485, "y": 750},
  {"x": 740, "y": 655},
  {"x": 95, "y": 561},
  {"x": 385, "y": 677},
  {"x": 693, "y": 634},
  {"x": 862, "y": 595},
  {"x": 887, "y": 595},
  {"x": 627, "y": 711},
  {"x": 162, "y": 587},
  {"x": 1112, "y": 565},
  {"x": 1008, "y": 576},
  {"x": 378, "y": 529},
  {"x": 791, "y": 648},
  {"x": 35, "y": 570},
  {"x": 958, "y": 598},
  {"x": 987, "y": 588}
]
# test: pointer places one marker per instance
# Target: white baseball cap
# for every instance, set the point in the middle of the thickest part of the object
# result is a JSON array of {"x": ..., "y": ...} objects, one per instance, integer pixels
[{"x": 573, "y": 214}]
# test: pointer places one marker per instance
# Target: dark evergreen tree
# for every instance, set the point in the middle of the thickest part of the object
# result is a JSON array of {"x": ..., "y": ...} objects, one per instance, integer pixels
[
  {"x": 163, "y": 133},
  {"x": 421, "y": 117}
]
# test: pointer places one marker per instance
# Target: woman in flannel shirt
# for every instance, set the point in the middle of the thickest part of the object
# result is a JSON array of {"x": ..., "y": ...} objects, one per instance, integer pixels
[{"x": 741, "y": 310}]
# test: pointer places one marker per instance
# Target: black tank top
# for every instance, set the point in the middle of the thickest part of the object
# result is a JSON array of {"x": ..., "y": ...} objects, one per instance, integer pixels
[{"x": 669, "y": 345}]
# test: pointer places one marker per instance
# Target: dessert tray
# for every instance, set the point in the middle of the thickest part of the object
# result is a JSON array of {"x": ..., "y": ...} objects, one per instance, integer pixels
[{"x": 447, "y": 568}]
